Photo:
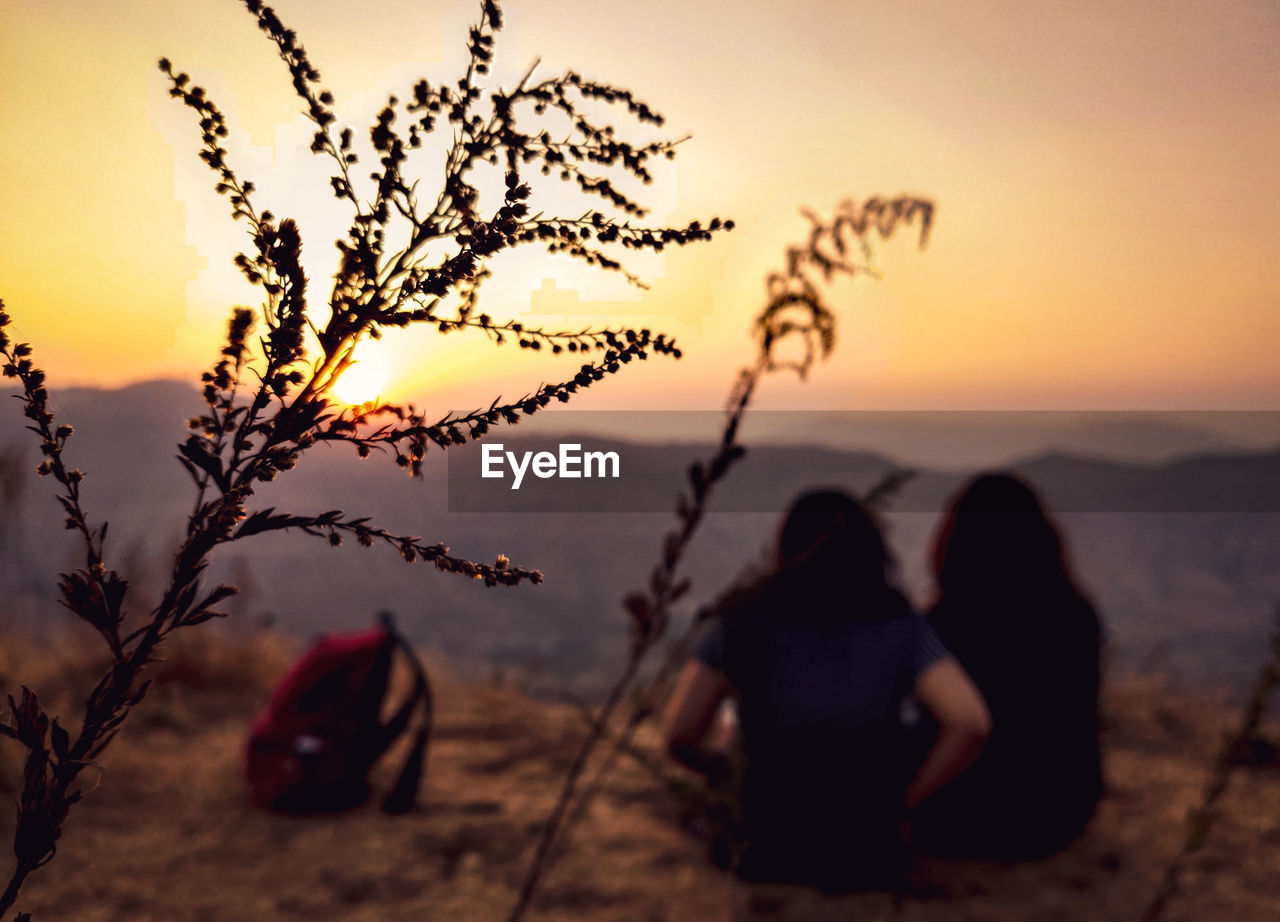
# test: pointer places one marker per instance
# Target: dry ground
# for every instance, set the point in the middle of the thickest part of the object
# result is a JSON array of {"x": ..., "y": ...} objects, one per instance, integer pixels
[{"x": 168, "y": 835}]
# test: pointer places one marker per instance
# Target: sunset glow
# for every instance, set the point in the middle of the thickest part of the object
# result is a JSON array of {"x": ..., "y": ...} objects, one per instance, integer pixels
[
  {"x": 1105, "y": 178},
  {"x": 367, "y": 378}
]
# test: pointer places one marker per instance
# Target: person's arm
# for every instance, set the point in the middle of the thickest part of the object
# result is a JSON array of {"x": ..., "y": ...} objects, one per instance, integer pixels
[
  {"x": 964, "y": 724},
  {"x": 690, "y": 712}
]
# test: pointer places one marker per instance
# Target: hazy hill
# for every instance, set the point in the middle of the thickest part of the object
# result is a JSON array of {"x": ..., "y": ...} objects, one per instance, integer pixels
[
  {"x": 981, "y": 437},
  {"x": 1180, "y": 555}
]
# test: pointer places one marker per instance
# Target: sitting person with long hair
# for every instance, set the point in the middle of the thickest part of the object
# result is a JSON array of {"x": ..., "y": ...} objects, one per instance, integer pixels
[
  {"x": 820, "y": 654},
  {"x": 1009, "y": 610}
]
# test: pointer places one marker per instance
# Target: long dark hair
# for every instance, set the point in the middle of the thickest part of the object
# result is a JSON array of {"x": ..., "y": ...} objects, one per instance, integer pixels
[
  {"x": 830, "y": 563},
  {"x": 996, "y": 541}
]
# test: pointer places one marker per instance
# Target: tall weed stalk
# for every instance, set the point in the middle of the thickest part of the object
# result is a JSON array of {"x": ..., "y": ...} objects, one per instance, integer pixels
[
  {"x": 1201, "y": 818},
  {"x": 795, "y": 329}
]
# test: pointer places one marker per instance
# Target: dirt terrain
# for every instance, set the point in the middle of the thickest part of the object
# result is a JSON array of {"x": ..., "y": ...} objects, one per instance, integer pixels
[{"x": 168, "y": 834}]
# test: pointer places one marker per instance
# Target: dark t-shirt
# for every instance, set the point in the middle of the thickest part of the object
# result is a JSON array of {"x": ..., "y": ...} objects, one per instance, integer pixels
[{"x": 820, "y": 705}]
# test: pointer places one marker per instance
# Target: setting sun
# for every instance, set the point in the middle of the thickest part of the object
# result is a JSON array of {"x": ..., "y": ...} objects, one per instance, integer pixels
[{"x": 367, "y": 377}]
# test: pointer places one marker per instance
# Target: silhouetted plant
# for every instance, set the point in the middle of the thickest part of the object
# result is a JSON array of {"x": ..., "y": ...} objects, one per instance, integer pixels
[
  {"x": 1232, "y": 752},
  {"x": 267, "y": 407},
  {"x": 795, "y": 310}
]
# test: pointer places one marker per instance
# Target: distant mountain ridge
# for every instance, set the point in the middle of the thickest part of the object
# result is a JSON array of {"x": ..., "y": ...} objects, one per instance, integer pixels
[{"x": 1179, "y": 555}]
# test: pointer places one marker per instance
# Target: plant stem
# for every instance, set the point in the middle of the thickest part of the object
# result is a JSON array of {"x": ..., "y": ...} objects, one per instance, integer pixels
[
  {"x": 11, "y": 891},
  {"x": 550, "y": 830}
]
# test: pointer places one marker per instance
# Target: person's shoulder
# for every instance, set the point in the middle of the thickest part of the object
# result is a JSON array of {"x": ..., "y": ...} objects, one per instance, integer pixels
[
  {"x": 903, "y": 622},
  {"x": 1084, "y": 619},
  {"x": 745, "y": 599},
  {"x": 918, "y": 642},
  {"x": 897, "y": 612},
  {"x": 946, "y": 614},
  {"x": 732, "y": 627},
  {"x": 1083, "y": 606},
  {"x": 907, "y": 620}
]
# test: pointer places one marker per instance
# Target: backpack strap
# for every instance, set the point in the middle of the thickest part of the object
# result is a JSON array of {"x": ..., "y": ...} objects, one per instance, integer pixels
[{"x": 403, "y": 796}]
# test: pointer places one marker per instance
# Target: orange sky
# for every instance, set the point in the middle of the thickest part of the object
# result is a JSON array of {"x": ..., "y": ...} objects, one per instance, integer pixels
[{"x": 1107, "y": 177}]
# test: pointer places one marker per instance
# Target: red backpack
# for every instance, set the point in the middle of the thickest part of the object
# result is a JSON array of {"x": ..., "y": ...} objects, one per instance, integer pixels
[{"x": 313, "y": 748}]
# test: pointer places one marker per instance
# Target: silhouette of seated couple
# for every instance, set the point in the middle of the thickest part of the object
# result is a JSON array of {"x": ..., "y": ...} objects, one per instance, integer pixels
[{"x": 865, "y": 727}]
